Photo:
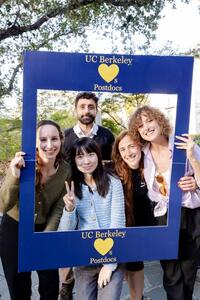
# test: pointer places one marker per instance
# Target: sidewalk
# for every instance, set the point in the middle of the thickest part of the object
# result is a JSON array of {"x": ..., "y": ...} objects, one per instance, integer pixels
[{"x": 153, "y": 284}]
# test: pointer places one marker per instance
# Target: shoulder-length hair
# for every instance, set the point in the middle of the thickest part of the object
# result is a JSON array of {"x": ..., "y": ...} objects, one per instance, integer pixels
[
  {"x": 100, "y": 175},
  {"x": 59, "y": 156},
  {"x": 125, "y": 174},
  {"x": 152, "y": 113}
]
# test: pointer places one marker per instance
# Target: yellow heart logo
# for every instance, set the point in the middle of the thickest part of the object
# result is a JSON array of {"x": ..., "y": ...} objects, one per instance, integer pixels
[
  {"x": 103, "y": 246},
  {"x": 108, "y": 73}
]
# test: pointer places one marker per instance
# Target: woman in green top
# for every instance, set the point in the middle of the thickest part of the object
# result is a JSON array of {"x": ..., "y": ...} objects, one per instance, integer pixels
[{"x": 51, "y": 173}]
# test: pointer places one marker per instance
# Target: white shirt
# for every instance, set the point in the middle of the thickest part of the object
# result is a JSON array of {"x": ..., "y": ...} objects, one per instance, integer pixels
[
  {"x": 81, "y": 134},
  {"x": 189, "y": 199}
]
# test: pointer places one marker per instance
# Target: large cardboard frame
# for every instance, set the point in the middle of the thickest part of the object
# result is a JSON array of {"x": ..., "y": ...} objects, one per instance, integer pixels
[{"x": 105, "y": 73}]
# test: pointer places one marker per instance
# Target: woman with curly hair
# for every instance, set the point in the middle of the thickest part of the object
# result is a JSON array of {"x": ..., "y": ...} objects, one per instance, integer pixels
[
  {"x": 51, "y": 173},
  {"x": 127, "y": 157},
  {"x": 155, "y": 132}
]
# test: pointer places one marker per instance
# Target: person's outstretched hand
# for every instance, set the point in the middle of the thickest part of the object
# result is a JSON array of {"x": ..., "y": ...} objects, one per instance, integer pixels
[
  {"x": 185, "y": 143},
  {"x": 17, "y": 163}
]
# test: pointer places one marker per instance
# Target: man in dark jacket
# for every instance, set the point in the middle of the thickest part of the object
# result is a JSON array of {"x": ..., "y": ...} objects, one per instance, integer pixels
[{"x": 86, "y": 110}]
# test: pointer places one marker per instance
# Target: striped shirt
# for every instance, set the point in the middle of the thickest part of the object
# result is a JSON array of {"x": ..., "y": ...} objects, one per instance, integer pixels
[{"x": 96, "y": 212}]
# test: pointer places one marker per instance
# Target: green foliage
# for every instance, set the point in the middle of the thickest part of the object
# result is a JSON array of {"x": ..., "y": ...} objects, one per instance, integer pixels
[
  {"x": 10, "y": 132},
  {"x": 56, "y": 105},
  {"x": 64, "y": 118},
  {"x": 195, "y": 52},
  {"x": 110, "y": 124},
  {"x": 10, "y": 138},
  {"x": 197, "y": 139},
  {"x": 117, "y": 108},
  {"x": 59, "y": 105},
  {"x": 58, "y": 24}
]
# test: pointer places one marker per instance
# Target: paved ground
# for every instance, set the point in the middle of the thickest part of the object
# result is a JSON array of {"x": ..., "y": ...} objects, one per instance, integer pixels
[{"x": 153, "y": 284}]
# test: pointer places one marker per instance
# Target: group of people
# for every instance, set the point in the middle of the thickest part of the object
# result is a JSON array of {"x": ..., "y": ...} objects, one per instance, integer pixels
[{"x": 77, "y": 189}]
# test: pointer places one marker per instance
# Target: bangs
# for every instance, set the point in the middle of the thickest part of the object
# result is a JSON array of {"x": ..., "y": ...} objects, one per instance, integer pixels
[
  {"x": 80, "y": 150},
  {"x": 85, "y": 145}
]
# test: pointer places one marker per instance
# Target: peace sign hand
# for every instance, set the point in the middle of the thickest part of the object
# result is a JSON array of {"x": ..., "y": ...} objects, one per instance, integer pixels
[
  {"x": 17, "y": 163},
  {"x": 69, "y": 198}
]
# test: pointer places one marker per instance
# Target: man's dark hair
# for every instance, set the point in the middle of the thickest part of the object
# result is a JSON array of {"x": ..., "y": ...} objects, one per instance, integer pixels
[{"x": 86, "y": 95}]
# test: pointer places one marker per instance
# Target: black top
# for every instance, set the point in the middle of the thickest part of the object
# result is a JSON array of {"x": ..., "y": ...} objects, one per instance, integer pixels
[
  {"x": 104, "y": 139},
  {"x": 142, "y": 205}
]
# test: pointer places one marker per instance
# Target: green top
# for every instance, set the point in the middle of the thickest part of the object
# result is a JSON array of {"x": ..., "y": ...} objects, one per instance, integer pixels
[{"x": 49, "y": 200}]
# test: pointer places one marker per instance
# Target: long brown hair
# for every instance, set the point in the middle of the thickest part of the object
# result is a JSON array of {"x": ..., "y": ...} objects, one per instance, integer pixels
[
  {"x": 125, "y": 174},
  {"x": 59, "y": 156}
]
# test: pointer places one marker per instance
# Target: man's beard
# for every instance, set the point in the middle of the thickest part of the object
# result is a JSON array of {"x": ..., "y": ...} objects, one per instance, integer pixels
[{"x": 86, "y": 119}]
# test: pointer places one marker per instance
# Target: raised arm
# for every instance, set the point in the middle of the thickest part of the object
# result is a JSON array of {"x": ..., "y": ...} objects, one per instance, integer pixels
[
  {"x": 9, "y": 192},
  {"x": 192, "y": 151}
]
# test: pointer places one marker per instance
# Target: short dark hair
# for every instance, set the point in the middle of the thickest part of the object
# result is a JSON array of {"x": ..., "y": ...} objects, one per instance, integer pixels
[{"x": 86, "y": 95}]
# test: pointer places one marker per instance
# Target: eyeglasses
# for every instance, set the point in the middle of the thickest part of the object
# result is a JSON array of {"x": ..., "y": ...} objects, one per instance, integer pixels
[{"x": 162, "y": 184}]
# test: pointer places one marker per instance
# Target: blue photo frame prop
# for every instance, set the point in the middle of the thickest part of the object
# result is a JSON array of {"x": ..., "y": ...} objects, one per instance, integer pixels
[{"x": 100, "y": 73}]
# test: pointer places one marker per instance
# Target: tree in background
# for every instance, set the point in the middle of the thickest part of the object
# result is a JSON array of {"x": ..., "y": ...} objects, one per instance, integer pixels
[
  {"x": 10, "y": 135},
  {"x": 58, "y": 24},
  {"x": 194, "y": 52},
  {"x": 67, "y": 25},
  {"x": 116, "y": 109}
]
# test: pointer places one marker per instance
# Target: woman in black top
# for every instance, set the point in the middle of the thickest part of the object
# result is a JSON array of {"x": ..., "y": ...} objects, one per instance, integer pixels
[{"x": 128, "y": 161}]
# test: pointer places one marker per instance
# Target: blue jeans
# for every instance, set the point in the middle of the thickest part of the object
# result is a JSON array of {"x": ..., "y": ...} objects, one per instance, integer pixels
[{"x": 86, "y": 285}]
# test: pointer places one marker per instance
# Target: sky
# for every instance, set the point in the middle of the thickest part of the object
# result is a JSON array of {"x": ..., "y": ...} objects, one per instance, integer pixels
[{"x": 181, "y": 26}]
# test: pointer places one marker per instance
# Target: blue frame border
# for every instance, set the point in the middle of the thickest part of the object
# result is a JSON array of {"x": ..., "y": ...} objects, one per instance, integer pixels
[{"x": 79, "y": 72}]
